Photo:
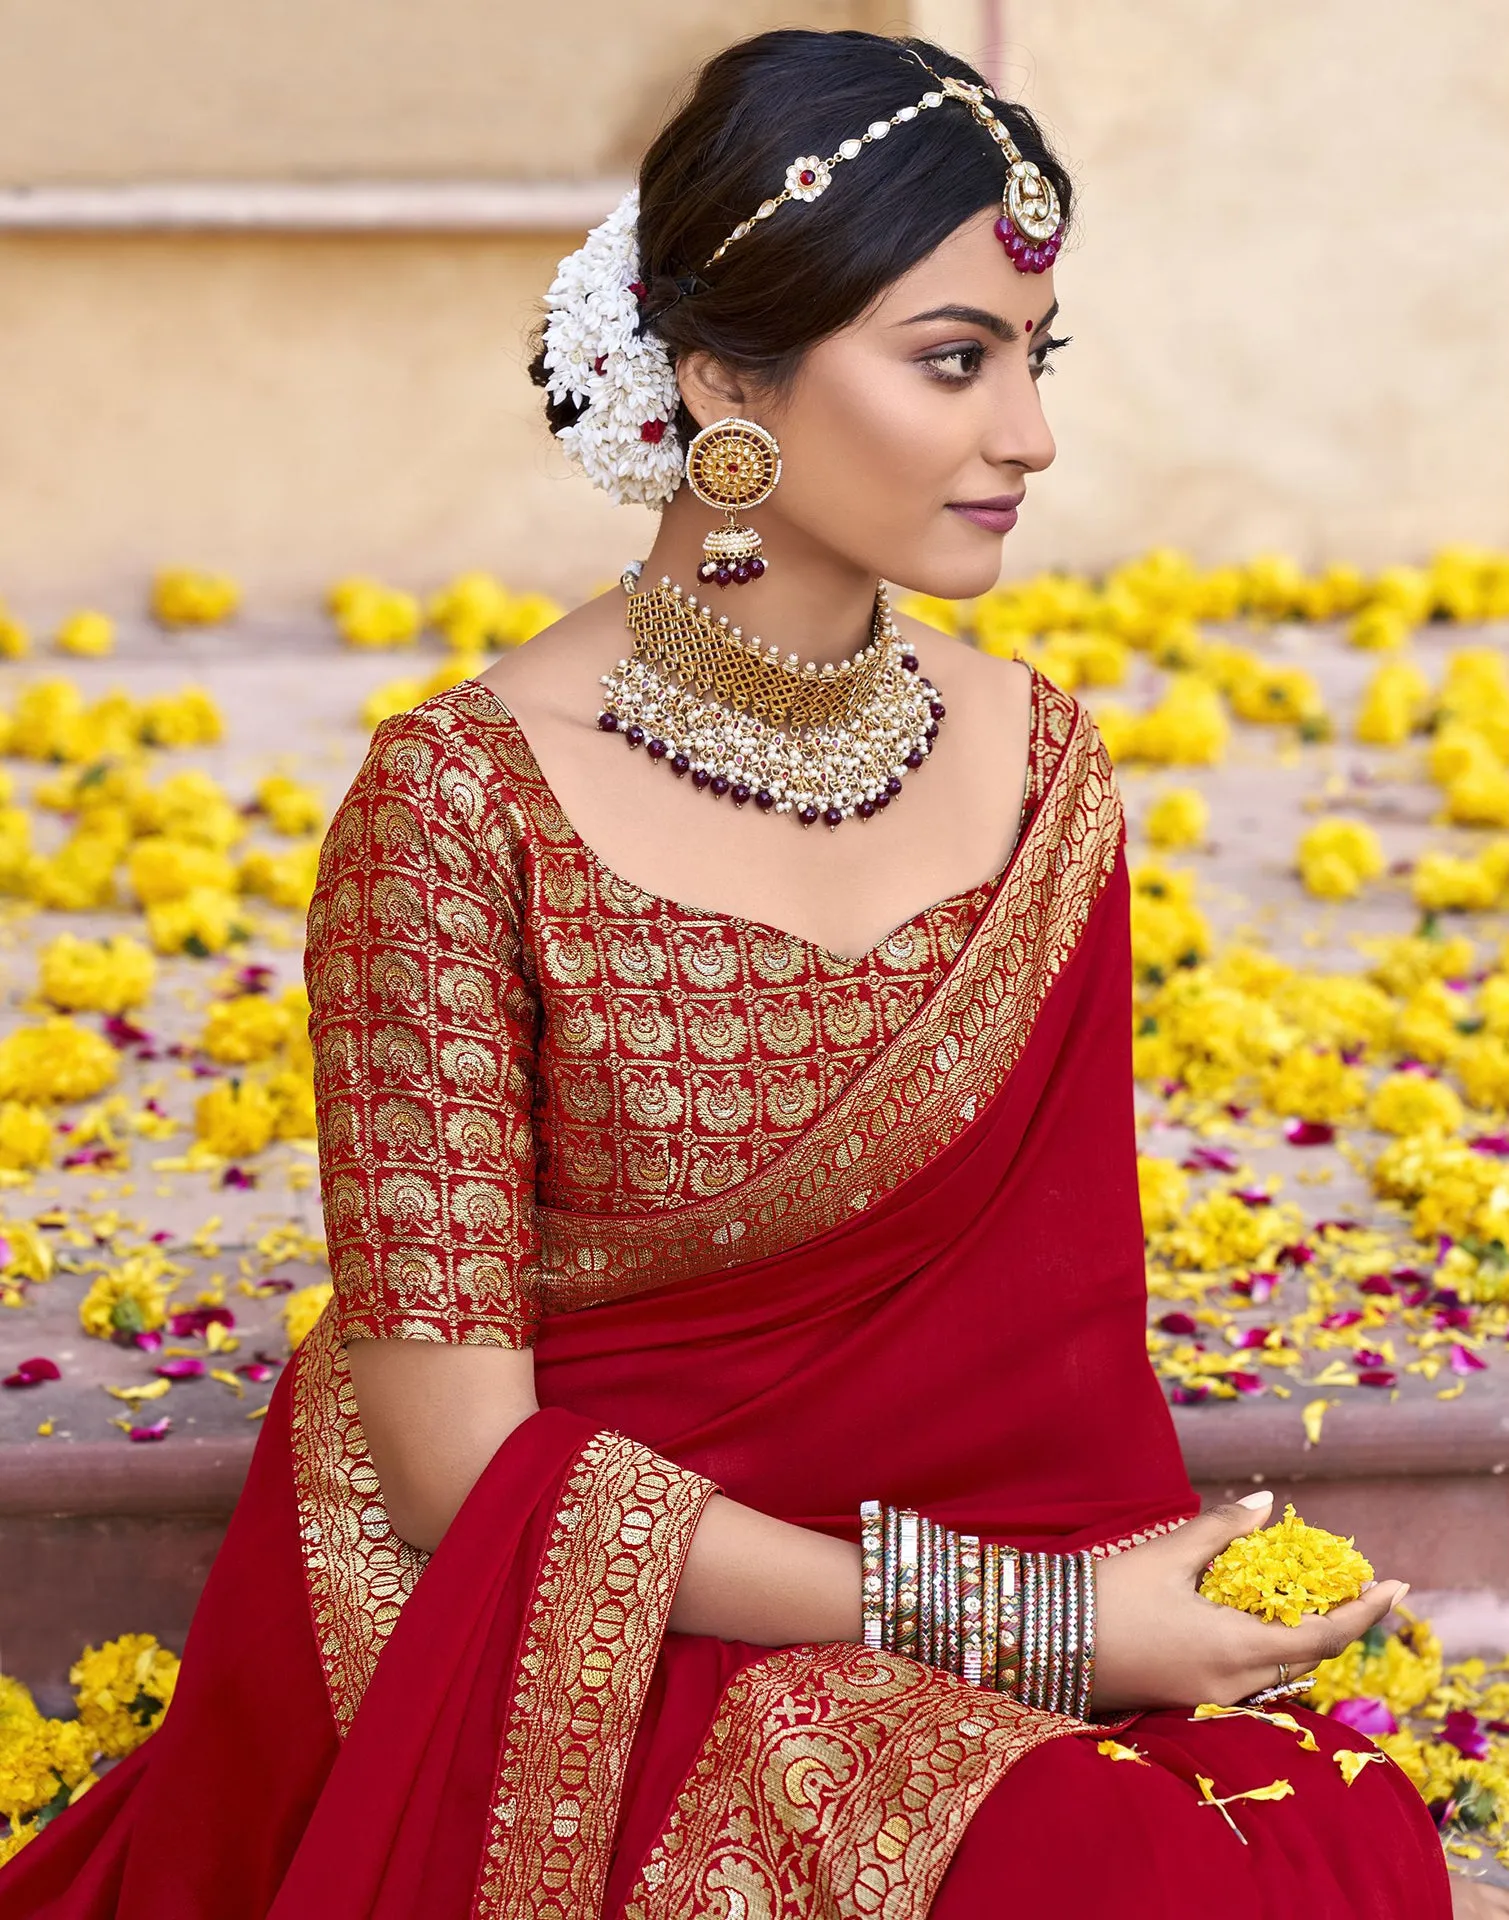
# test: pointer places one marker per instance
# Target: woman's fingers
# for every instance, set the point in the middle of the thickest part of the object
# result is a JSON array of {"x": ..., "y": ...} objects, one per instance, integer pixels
[
  {"x": 1199, "y": 1540},
  {"x": 1321, "y": 1636}
]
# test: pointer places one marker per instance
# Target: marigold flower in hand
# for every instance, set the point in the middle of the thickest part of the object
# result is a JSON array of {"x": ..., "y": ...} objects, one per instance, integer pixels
[{"x": 1287, "y": 1570}]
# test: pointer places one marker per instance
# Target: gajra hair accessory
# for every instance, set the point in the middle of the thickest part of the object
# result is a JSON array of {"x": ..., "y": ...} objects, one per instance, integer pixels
[
  {"x": 596, "y": 356},
  {"x": 1031, "y": 223}
]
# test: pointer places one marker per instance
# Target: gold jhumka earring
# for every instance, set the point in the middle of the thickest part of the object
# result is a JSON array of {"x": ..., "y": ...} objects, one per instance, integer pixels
[{"x": 732, "y": 465}]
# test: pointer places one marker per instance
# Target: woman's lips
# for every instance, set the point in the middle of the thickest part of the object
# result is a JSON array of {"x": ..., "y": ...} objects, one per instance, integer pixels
[{"x": 995, "y": 516}]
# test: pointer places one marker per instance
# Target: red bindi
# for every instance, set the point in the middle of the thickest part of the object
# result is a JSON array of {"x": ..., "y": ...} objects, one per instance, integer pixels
[{"x": 1029, "y": 326}]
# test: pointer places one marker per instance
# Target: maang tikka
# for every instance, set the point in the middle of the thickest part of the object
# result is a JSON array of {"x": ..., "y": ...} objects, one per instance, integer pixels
[{"x": 732, "y": 465}]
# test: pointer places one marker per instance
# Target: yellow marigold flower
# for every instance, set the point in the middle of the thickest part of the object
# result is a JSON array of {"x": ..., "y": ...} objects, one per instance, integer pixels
[
  {"x": 1394, "y": 703},
  {"x": 187, "y": 597},
  {"x": 1403, "y": 1672},
  {"x": 1336, "y": 856},
  {"x": 302, "y": 1309},
  {"x": 39, "y": 1763},
  {"x": 25, "y": 1137},
  {"x": 1220, "y": 1231},
  {"x": 393, "y": 696},
  {"x": 251, "y": 1027},
  {"x": 1479, "y": 796},
  {"x": 370, "y": 614},
  {"x": 1411, "y": 1103},
  {"x": 18, "y": 1711},
  {"x": 1401, "y": 961},
  {"x": 55, "y": 1061},
  {"x": 192, "y": 806},
  {"x": 203, "y": 922},
  {"x": 1405, "y": 591},
  {"x": 188, "y": 718},
  {"x": 1338, "y": 1009},
  {"x": 98, "y": 976},
  {"x": 472, "y": 612},
  {"x": 122, "y": 1690},
  {"x": 1163, "y": 1187},
  {"x": 1331, "y": 595},
  {"x": 236, "y": 1118},
  {"x": 1441, "y": 882},
  {"x": 1482, "y": 1066},
  {"x": 1272, "y": 586},
  {"x": 171, "y": 869},
  {"x": 285, "y": 879},
  {"x": 293, "y": 1094},
  {"x": 88, "y": 634},
  {"x": 15, "y": 848},
  {"x": 15, "y": 641},
  {"x": 79, "y": 876},
  {"x": 1314, "y": 1083},
  {"x": 1377, "y": 627},
  {"x": 131, "y": 1299},
  {"x": 1213, "y": 1036},
  {"x": 1287, "y": 1570},
  {"x": 1275, "y": 693},
  {"x": 1457, "y": 749},
  {"x": 291, "y": 807},
  {"x": 1178, "y": 818},
  {"x": 1187, "y": 728}
]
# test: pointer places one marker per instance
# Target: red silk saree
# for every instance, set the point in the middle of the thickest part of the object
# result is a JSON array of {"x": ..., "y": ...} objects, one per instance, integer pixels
[{"x": 930, "y": 1291}]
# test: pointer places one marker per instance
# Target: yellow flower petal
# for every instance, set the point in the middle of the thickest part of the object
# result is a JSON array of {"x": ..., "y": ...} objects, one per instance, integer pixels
[
  {"x": 1114, "y": 1750},
  {"x": 1351, "y": 1762}
]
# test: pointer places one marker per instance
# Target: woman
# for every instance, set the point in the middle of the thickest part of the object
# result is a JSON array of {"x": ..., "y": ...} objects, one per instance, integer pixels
[{"x": 665, "y": 1235}]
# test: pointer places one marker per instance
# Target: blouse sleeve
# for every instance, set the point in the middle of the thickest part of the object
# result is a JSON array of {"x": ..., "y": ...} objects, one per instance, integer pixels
[{"x": 424, "y": 1031}]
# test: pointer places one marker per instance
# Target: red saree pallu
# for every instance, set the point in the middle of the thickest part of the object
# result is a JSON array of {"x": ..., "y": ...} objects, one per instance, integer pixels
[{"x": 936, "y": 1297}]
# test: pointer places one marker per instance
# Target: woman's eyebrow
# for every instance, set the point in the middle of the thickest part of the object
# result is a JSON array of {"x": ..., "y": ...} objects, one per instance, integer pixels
[{"x": 978, "y": 317}]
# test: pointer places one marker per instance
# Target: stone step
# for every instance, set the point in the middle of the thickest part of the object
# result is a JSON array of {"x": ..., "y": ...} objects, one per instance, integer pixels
[{"x": 99, "y": 1537}]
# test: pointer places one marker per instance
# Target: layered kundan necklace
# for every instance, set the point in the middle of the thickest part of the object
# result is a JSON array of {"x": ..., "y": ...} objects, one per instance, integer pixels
[{"x": 825, "y": 742}]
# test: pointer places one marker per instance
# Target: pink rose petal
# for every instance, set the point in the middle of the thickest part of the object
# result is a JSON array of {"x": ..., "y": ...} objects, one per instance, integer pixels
[
  {"x": 1246, "y": 1382},
  {"x": 31, "y": 1373},
  {"x": 238, "y": 1178},
  {"x": 1188, "y": 1396},
  {"x": 187, "y": 1368},
  {"x": 1461, "y": 1730},
  {"x": 1202, "y": 1159},
  {"x": 191, "y": 1321},
  {"x": 1299, "y": 1254},
  {"x": 1464, "y": 1360},
  {"x": 1309, "y": 1133},
  {"x": 1494, "y": 1143},
  {"x": 1178, "y": 1323},
  {"x": 158, "y": 1430},
  {"x": 1376, "y": 1283},
  {"x": 1377, "y": 1377},
  {"x": 1365, "y": 1715},
  {"x": 1255, "y": 1337},
  {"x": 1348, "y": 1317}
]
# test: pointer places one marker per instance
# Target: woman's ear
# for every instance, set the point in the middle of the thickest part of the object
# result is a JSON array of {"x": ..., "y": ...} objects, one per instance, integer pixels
[{"x": 710, "y": 390}]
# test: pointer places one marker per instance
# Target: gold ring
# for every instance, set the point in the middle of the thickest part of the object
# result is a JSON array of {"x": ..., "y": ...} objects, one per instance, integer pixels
[{"x": 1283, "y": 1674}]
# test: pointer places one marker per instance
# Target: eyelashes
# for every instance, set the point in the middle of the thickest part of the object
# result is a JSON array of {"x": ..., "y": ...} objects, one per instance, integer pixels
[{"x": 968, "y": 360}]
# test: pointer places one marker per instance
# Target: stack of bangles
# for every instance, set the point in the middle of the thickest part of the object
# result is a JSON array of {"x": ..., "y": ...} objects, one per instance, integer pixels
[{"x": 1014, "y": 1622}]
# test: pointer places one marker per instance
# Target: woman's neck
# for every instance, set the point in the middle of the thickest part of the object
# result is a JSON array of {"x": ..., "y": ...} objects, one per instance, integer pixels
[{"x": 809, "y": 601}]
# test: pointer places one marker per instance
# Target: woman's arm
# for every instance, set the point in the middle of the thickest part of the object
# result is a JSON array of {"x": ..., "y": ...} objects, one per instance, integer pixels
[{"x": 434, "y": 1415}]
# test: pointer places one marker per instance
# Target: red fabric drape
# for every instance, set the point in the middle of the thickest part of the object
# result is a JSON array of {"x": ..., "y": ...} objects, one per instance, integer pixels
[{"x": 972, "y": 1344}]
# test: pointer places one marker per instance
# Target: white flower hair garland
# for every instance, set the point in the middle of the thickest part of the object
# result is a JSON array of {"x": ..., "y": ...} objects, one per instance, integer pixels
[{"x": 624, "y": 442}]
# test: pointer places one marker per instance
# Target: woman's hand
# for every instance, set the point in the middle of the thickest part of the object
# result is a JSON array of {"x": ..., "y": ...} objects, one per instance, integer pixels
[{"x": 1158, "y": 1643}]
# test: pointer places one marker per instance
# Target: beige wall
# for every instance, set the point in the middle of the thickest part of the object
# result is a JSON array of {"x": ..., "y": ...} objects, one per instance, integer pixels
[
  {"x": 1287, "y": 287},
  {"x": 94, "y": 90}
]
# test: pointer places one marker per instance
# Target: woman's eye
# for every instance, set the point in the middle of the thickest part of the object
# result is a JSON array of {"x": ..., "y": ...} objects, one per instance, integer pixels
[
  {"x": 956, "y": 365},
  {"x": 1040, "y": 359}
]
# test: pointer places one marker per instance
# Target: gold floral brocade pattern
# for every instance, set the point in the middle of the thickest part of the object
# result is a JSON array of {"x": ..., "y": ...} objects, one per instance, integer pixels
[
  {"x": 601, "y": 1606},
  {"x": 833, "y": 1782},
  {"x": 912, "y": 1098},
  {"x": 358, "y": 1571},
  {"x": 535, "y": 1080}
]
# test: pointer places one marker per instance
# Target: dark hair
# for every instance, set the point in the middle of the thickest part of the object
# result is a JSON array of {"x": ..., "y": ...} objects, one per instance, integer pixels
[{"x": 815, "y": 266}]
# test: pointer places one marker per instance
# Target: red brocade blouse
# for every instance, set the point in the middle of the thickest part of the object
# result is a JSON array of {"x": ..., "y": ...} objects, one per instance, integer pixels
[{"x": 501, "y": 1023}]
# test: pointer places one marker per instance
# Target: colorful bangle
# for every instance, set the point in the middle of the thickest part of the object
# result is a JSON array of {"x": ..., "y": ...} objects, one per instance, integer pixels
[{"x": 872, "y": 1574}]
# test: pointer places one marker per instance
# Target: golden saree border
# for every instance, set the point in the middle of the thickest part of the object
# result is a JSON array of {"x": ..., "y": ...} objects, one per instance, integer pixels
[
  {"x": 833, "y": 1782},
  {"x": 602, "y": 1600},
  {"x": 912, "y": 1100},
  {"x": 357, "y": 1570}
]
